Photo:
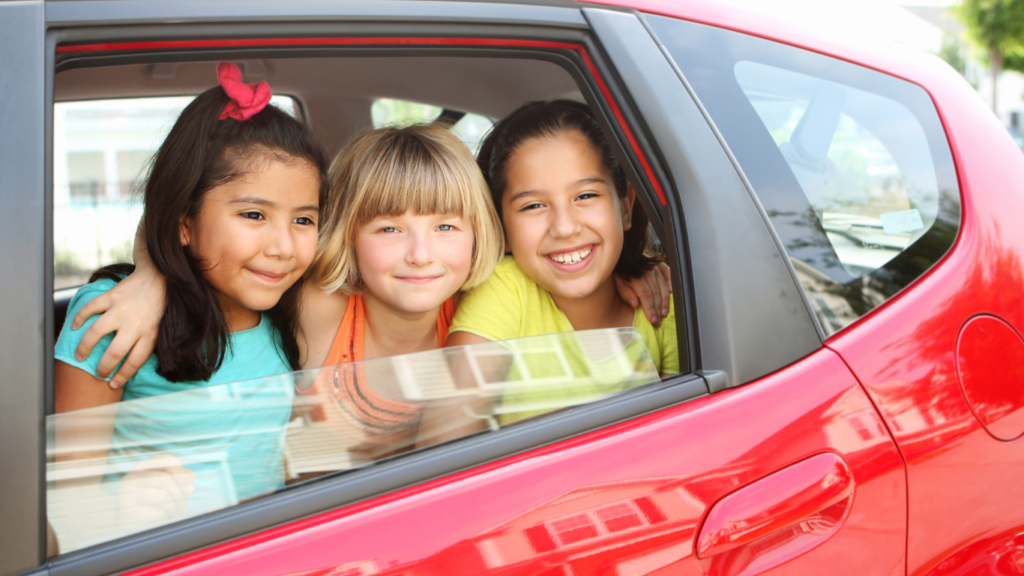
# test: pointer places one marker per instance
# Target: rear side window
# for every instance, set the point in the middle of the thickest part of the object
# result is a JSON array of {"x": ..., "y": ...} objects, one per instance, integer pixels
[{"x": 851, "y": 165}]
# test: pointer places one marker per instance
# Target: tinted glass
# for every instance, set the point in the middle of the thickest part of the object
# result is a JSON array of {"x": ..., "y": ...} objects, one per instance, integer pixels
[
  {"x": 122, "y": 468},
  {"x": 851, "y": 165}
]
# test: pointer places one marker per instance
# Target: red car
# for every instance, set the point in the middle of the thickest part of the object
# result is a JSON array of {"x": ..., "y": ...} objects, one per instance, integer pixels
[{"x": 840, "y": 220}]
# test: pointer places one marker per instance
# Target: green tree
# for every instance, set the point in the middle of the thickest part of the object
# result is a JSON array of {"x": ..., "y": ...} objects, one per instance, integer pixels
[
  {"x": 952, "y": 51},
  {"x": 997, "y": 26}
]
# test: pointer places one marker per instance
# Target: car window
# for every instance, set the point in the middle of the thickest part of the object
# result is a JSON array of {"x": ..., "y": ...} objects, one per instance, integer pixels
[
  {"x": 122, "y": 468},
  {"x": 470, "y": 128},
  {"x": 870, "y": 208},
  {"x": 851, "y": 165},
  {"x": 101, "y": 150}
]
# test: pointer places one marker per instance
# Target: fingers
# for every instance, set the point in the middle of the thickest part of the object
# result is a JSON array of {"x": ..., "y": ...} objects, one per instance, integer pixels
[
  {"x": 97, "y": 305},
  {"x": 101, "y": 327},
  {"x": 653, "y": 302},
  {"x": 666, "y": 273},
  {"x": 665, "y": 289},
  {"x": 138, "y": 356},
  {"x": 626, "y": 292}
]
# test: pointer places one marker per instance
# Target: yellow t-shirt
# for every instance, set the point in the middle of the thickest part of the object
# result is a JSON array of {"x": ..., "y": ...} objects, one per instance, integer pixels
[{"x": 511, "y": 305}]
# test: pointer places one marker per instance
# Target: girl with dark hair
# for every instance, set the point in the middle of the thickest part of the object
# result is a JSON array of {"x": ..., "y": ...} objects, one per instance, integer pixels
[
  {"x": 571, "y": 224},
  {"x": 231, "y": 214}
]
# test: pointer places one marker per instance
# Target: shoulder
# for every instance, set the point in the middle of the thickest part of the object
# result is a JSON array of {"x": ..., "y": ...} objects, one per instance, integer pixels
[
  {"x": 68, "y": 340},
  {"x": 660, "y": 340},
  {"x": 88, "y": 292},
  {"x": 494, "y": 309},
  {"x": 508, "y": 268},
  {"x": 320, "y": 315}
]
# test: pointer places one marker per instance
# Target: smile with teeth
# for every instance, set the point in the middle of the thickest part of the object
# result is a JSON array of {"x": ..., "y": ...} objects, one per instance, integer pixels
[{"x": 571, "y": 257}]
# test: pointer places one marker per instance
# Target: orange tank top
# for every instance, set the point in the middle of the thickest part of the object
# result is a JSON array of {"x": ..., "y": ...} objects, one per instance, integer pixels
[{"x": 371, "y": 408}]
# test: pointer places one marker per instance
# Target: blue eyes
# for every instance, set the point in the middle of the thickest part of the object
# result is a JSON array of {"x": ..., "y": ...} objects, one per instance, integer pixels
[{"x": 441, "y": 227}]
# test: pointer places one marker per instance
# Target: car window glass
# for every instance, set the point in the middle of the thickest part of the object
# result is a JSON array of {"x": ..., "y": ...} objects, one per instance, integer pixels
[
  {"x": 470, "y": 128},
  {"x": 851, "y": 165},
  {"x": 122, "y": 468},
  {"x": 101, "y": 150},
  {"x": 871, "y": 206}
]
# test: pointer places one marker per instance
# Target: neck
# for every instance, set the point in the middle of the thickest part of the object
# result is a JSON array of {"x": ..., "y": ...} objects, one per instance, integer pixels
[
  {"x": 601, "y": 309},
  {"x": 390, "y": 332},
  {"x": 236, "y": 316}
]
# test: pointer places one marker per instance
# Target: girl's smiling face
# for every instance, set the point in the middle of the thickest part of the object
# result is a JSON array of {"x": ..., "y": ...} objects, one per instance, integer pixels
[
  {"x": 564, "y": 222},
  {"x": 413, "y": 262},
  {"x": 255, "y": 236}
]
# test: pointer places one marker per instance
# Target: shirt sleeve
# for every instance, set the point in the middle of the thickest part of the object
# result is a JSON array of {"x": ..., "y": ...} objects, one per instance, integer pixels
[
  {"x": 492, "y": 310},
  {"x": 69, "y": 339}
]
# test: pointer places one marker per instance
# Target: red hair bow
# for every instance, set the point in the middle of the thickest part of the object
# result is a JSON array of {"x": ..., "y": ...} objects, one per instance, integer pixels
[{"x": 246, "y": 99}]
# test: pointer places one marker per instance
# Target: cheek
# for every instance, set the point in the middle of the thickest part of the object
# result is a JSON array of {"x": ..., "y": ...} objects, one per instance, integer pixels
[
  {"x": 459, "y": 255},
  {"x": 373, "y": 258},
  {"x": 518, "y": 233}
]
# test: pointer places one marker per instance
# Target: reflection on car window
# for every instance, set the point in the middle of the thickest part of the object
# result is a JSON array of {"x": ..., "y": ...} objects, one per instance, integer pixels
[
  {"x": 871, "y": 206},
  {"x": 178, "y": 455},
  {"x": 101, "y": 149},
  {"x": 470, "y": 128},
  {"x": 851, "y": 165}
]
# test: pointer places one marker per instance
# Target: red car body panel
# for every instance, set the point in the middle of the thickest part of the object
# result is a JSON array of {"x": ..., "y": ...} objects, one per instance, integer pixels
[
  {"x": 502, "y": 518},
  {"x": 905, "y": 351}
]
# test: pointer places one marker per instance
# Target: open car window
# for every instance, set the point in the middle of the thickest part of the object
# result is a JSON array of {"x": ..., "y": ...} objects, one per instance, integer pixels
[
  {"x": 470, "y": 128},
  {"x": 126, "y": 467},
  {"x": 101, "y": 152}
]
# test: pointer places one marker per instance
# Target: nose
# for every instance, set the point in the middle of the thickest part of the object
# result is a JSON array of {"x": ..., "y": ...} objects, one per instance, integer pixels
[
  {"x": 279, "y": 242},
  {"x": 421, "y": 249},
  {"x": 565, "y": 222}
]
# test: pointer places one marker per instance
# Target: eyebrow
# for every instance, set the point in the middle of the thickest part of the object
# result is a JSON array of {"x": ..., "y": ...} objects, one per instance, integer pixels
[
  {"x": 264, "y": 202},
  {"x": 580, "y": 182}
]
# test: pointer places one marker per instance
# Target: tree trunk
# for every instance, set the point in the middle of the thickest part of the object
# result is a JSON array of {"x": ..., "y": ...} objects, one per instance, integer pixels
[{"x": 995, "y": 58}]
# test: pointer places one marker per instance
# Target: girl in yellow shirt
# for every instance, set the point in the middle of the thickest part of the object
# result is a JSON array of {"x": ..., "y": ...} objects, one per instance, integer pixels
[{"x": 571, "y": 224}]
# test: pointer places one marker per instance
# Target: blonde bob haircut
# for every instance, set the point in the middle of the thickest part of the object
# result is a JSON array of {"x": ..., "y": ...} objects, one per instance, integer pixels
[{"x": 387, "y": 171}]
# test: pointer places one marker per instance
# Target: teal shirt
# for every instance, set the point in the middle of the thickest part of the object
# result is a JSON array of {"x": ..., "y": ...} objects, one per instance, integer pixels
[{"x": 228, "y": 430}]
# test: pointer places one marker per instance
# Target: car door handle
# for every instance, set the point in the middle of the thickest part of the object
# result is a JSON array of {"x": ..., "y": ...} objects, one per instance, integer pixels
[{"x": 799, "y": 506}]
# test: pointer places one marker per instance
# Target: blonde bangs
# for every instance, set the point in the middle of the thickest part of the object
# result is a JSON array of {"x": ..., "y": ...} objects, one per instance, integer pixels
[{"x": 388, "y": 171}]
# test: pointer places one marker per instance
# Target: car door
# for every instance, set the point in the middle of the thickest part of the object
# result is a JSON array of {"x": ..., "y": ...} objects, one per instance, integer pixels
[
  {"x": 765, "y": 454},
  {"x": 932, "y": 330}
]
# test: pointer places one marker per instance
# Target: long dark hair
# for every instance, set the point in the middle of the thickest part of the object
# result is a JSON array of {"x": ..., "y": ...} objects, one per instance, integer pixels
[
  {"x": 550, "y": 119},
  {"x": 202, "y": 152}
]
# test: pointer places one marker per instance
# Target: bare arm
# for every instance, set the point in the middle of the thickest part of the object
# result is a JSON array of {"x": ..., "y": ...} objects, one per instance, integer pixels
[
  {"x": 133, "y": 309},
  {"x": 155, "y": 489}
]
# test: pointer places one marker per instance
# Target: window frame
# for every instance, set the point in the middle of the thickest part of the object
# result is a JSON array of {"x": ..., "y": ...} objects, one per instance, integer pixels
[{"x": 585, "y": 63}]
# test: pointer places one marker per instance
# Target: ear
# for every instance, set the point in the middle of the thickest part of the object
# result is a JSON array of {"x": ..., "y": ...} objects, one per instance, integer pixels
[
  {"x": 627, "y": 209},
  {"x": 185, "y": 230}
]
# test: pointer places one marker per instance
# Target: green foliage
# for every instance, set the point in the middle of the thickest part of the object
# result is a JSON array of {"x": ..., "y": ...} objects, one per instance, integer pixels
[
  {"x": 952, "y": 51},
  {"x": 996, "y": 26}
]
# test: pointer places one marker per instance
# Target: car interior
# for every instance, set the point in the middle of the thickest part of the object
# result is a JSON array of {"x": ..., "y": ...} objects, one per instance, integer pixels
[{"x": 334, "y": 94}]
